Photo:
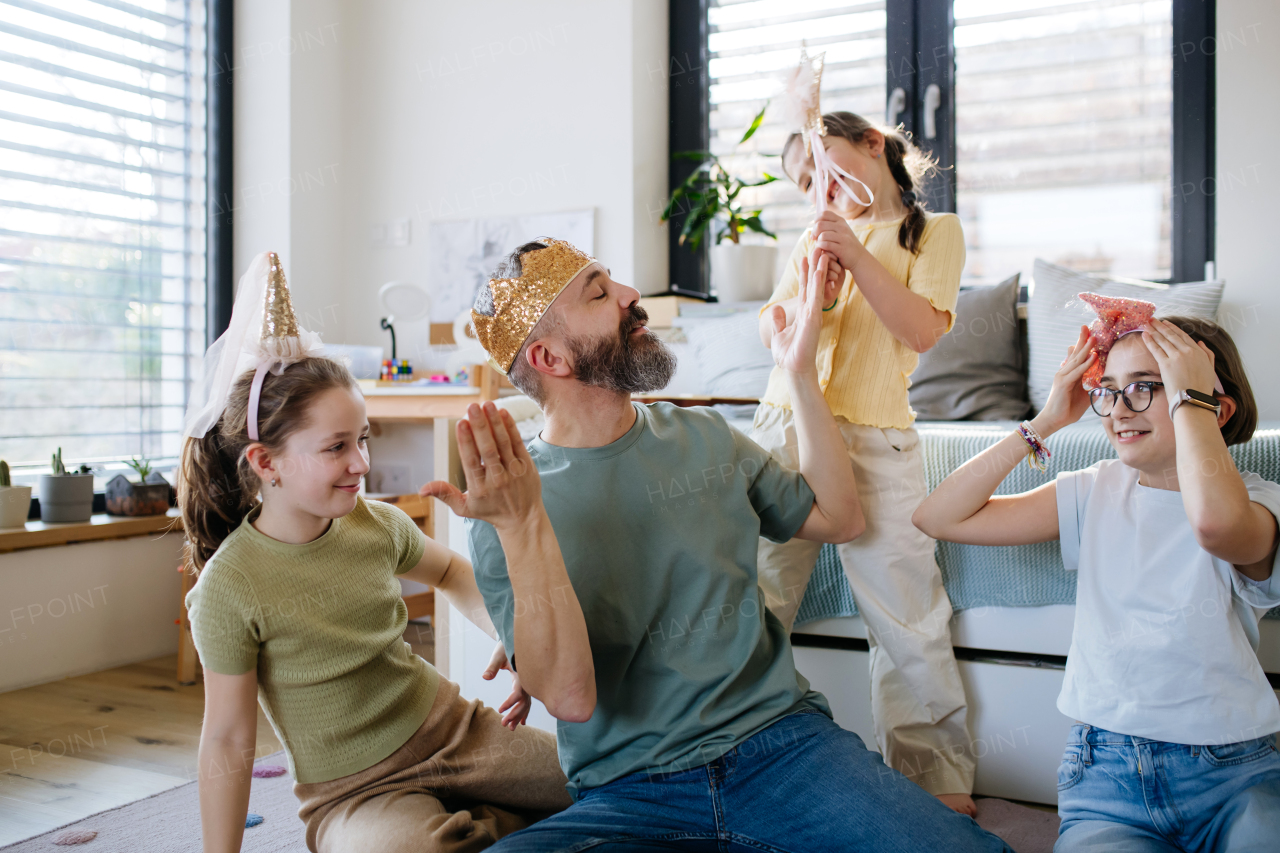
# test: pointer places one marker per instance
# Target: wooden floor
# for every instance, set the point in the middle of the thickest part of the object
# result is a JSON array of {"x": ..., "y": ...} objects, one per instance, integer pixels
[{"x": 75, "y": 747}]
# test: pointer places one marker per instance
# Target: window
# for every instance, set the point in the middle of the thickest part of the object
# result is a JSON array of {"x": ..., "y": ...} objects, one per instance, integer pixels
[
  {"x": 1064, "y": 135},
  {"x": 752, "y": 44},
  {"x": 1062, "y": 127},
  {"x": 102, "y": 226}
]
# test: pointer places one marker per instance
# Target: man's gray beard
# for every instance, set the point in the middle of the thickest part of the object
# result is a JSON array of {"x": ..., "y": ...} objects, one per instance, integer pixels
[{"x": 625, "y": 364}]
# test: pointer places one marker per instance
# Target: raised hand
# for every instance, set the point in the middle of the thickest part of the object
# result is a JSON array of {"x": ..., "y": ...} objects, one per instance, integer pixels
[
  {"x": 1185, "y": 363},
  {"x": 503, "y": 486},
  {"x": 795, "y": 347},
  {"x": 1068, "y": 398},
  {"x": 515, "y": 710},
  {"x": 831, "y": 233}
]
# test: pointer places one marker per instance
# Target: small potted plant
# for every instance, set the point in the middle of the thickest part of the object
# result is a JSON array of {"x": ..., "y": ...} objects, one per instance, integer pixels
[
  {"x": 148, "y": 496},
  {"x": 66, "y": 495},
  {"x": 15, "y": 501},
  {"x": 739, "y": 272}
]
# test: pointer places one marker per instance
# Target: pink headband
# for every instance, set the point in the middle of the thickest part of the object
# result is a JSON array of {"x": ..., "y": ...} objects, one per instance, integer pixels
[
  {"x": 255, "y": 391},
  {"x": 1117, "y": 317}
]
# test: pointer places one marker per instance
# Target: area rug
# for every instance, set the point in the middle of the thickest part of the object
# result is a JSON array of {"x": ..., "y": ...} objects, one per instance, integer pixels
[{"x": 169, "y": 822}]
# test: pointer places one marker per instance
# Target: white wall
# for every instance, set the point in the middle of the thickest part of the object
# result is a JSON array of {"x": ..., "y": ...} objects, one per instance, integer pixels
[
  {"x": 83, "y": 608},
  {"x": 350, "y": 114},
  {"x": 1248, "y": 184}
]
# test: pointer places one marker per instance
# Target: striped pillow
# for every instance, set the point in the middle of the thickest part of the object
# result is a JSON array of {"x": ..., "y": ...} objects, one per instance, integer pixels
[{"x": 1054, "y": 315}]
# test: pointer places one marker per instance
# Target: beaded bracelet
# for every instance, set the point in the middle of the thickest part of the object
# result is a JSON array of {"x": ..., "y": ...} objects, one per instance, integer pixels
[{"x": 1038, "y": 454}]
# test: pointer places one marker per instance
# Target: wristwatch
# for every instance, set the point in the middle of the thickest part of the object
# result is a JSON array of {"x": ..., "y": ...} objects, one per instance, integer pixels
[{"x": 1195, "y": 398}]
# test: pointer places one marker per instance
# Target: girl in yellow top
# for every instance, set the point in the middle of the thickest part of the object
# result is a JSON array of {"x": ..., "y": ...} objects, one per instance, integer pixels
[{"x": 893, "y": 298}]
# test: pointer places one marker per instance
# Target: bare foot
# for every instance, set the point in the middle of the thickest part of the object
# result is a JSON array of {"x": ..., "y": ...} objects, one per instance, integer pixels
[{"x": 962, "y": 803}]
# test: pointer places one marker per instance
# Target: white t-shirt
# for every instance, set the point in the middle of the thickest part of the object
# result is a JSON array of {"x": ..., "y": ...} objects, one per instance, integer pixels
[{"x": 1166, "y": 635}]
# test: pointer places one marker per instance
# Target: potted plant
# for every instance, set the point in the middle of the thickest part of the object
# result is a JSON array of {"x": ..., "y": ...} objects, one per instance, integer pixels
[
  {"x": 739, "y": 272},
  {"x": 66, "y": 495},
  {"x": 148, "y": 496},
  {"x": 15, "y": 501}
]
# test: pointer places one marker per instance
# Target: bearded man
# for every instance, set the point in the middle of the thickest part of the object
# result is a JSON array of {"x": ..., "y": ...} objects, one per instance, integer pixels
[{"x": 684, "y": 725}]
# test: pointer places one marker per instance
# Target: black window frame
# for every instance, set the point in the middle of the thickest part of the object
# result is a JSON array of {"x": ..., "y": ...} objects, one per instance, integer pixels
[
  {"x": 220, "y": 265},
  {"x": 920, "y": 51}
]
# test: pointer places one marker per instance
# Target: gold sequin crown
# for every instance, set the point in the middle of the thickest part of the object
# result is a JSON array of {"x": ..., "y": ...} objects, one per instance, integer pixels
[{"x": 519, "y": 303}]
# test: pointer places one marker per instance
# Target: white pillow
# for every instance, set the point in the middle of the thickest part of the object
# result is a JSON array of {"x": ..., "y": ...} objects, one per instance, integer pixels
[
  {"x": 1054, "y": 315},
  {"x": 731, "y": 359}
]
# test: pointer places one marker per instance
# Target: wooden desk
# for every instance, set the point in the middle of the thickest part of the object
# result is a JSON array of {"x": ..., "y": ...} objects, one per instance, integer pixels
[{"x": 440, "y": 407}]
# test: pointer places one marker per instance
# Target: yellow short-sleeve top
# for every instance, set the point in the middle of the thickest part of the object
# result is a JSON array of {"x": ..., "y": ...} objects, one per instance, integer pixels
[{"x": 863, "y": 369}]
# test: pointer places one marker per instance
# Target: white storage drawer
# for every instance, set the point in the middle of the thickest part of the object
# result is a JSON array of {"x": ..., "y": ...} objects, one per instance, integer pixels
[{"x": 1016, "y": 729}]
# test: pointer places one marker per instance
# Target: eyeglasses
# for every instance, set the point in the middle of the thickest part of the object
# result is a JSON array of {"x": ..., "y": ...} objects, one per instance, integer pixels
[{"x": 1137, "y": 396}]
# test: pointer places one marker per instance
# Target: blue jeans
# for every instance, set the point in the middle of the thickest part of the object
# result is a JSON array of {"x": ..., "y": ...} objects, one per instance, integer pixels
[
  {"x": 1121, "y": 793},
  {"x": 804, "y": 784}
]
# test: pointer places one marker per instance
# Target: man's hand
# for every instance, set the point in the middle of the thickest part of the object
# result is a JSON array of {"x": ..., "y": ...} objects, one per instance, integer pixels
[
  {"x": 519, "y": 702},
  {"x": 795, "y": 347},
  {"x": 503, "y": 486}
]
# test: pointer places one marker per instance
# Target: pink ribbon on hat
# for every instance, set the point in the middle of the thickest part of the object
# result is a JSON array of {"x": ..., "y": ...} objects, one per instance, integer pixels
[{"x": 1117, "y": 317}]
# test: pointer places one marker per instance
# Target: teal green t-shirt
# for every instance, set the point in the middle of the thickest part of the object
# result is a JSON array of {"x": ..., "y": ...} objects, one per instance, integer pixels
[{"x": 659, "y": 533}]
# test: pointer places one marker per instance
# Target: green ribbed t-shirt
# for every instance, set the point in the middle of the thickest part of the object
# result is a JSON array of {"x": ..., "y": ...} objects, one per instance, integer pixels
[{"x": 323, "y": 624}]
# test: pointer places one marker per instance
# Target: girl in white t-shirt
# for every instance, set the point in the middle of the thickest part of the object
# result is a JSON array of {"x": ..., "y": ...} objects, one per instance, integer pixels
[{"x": 1175, "y": 742}]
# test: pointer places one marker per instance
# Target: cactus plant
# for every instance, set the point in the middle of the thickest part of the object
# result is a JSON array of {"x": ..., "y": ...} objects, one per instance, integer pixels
[
  {"x": 56, "y": 465},
  {"x": 4, "y": 475}
]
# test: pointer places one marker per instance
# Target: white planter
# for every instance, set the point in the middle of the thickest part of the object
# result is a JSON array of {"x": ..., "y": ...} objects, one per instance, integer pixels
[
  {"x": 66, "y": 497},
  {"x": 15, "y": 505},
  {"x": 742, "y": 273}
]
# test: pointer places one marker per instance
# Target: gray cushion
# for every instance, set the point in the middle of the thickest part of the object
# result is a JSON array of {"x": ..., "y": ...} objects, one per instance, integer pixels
[
  {"x": 975, "y": 372},
  {"x": 1054, "y": 315}
]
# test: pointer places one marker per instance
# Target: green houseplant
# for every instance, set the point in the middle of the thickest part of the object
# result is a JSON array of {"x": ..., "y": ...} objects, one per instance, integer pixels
[
  {"x": 15, "y": 501},
  {"x": 710, "y": 198},
  {"x": 66, "y": 495},
  {"x": 148, "y": 496}
]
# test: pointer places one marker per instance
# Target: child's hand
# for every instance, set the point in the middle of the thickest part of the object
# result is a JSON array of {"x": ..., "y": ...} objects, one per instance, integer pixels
[
  {"x": 832, "y": 234},
  {"x": 1068, "y": 398},
  {"x": 835, "y": 276},
  {"x": 519, "y": 702},
  {"x": 795, "y": 347},
  {"x": 1185, "y": 364}
]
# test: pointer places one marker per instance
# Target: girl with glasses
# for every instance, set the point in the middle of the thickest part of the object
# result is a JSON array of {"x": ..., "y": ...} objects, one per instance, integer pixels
[{"x": 1174, "y": 746}]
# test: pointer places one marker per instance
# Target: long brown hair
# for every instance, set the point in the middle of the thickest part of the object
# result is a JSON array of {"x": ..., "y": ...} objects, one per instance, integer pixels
[
  {"x": 908, "y": 164},
  {"x": 216, "y": 485},
  {"x": 1229, "y": 366}
]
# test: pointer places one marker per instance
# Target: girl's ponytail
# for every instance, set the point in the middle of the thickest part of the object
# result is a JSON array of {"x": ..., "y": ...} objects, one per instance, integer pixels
[
  {"x": 210, "y": 496},
  {"x": 897, "y": 150},
  {"x": 217, "y": 487}
]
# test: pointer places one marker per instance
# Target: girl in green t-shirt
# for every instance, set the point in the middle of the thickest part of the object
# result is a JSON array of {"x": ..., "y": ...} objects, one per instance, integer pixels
[{"x": 297, "y": 607}]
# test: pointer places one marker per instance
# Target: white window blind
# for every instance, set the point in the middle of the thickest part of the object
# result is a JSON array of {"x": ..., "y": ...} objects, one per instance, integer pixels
[
  {"x": 752, "y": 45},
  {"x": 102, "y": 226},
  {"x": 1063, "y": 135}
]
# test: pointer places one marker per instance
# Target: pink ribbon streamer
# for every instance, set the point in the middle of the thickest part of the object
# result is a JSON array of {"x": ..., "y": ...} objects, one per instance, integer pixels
[{"x": 824, "y": 169}]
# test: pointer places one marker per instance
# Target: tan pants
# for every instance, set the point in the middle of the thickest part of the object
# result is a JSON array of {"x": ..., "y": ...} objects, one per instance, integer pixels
[
  {"x": 917, "y": 700},
  {"x": 459, "y": 784}
]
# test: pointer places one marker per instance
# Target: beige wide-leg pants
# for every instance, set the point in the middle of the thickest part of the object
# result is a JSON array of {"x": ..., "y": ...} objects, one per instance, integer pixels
[
  {"x": 917, "y": 700},
  {"x": 460, "y": 783}
]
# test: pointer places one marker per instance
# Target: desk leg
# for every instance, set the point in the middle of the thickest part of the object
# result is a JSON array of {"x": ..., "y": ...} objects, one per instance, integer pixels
[
  {"x": 448, "y": 467},
  {"x": 187, "y": 657}
]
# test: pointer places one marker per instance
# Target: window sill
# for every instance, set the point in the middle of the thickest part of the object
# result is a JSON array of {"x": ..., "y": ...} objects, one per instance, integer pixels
[{"x": 38, "y": 534}]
